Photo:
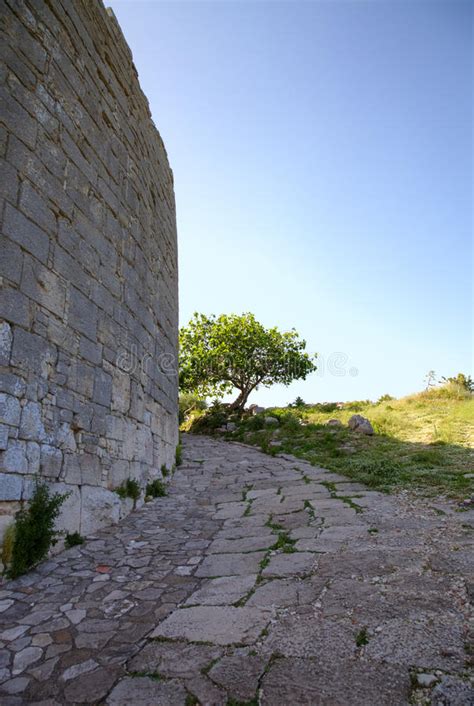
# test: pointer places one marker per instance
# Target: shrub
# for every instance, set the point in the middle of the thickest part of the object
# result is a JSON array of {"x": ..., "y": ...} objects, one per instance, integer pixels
[
  {"x": 255, "y": 423},
  {"x": 326, "y": 406},
  {"x": 290, "y": 421},
  {"x": 7, "y": 544},
  {"x": 130, "y": 488},
  {"x": 213, "y": 418},
  {"x": 156, "y": 488},
  {"x": 165, "y": 471},
  {"x": 385, "y": 398},
  {"x": 189, "y": 403},
  {"x": 179, "y": 454},
  {"x": 34, "y": 529},
  {"x": 72, "y": 539}
]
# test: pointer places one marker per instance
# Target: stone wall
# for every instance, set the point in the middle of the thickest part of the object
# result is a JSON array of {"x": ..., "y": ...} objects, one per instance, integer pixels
[{"x": 88, "y": 266}]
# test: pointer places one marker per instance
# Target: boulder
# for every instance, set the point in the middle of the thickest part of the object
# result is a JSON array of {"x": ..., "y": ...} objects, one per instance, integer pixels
[
  {"x": 334, "y": 423},
  {"x": 231, "y": 426},
  {"x": 361, "y": 424},
  {"x": 271, "y": 421},
  {"x": 255, "y": 409}
]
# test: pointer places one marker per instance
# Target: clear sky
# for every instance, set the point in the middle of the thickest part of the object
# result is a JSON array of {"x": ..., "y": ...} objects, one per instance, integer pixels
[{"x": 322, "y": 154}]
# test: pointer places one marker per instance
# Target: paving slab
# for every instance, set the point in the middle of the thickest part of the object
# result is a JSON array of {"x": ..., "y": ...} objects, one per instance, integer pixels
[
  {"x": 295, "y": 564},
  {"x": 143, "y": 691},
  {"x": 217, "y": 624},
  {"x": 225, "y": 590},
  {"x": 216, "y": 565},
  {"x": 302, "y": 681}
]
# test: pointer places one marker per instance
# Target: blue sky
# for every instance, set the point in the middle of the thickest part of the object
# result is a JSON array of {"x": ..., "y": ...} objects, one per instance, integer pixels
[{"x": 322, "y": 154}]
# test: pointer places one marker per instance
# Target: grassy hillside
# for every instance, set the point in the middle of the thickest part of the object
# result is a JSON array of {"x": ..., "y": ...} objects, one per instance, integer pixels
[{"x": 423, "y": 441}]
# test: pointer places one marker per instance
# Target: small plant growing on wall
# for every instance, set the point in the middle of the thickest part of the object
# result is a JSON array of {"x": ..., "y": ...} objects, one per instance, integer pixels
[
  {"x": 72, "y": 539},
  {"x": 34, "y": 532},
  {"x": 130, "y": 488},
  {"x": 179, "y": 455},
  {"x": 156, "y": 489}
]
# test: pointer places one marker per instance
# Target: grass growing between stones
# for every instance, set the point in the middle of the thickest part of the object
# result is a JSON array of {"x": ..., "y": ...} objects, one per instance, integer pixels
[
  {"x": 362, "y": 637},
  {"x": 347, "y": 499},
  {"x": 130, "y": 488},
  {"x": 156, "y": 489},
  {"x": 424, "y": 441},
  {"x": 156, "y": 676},
  {"x": 284, "y": 543},
  {"x": 73, "y": 539}
]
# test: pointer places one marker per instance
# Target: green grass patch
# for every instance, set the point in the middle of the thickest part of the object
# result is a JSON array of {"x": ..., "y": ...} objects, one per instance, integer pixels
[{"x": 424, "y": 442}]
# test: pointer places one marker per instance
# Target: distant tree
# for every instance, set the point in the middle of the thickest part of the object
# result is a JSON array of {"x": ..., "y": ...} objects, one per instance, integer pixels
[
  {"x": 298, "y": 403},
  {"x": 218, "y": 354},
  {"x": 430, "y": 379},
  {"x": 464, "y": 381}
]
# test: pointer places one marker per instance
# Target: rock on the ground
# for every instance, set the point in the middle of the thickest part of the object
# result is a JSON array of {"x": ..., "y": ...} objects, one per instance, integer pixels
[
  {"x": 255, "y": 409},
  {"x": 360, "y": 424}
]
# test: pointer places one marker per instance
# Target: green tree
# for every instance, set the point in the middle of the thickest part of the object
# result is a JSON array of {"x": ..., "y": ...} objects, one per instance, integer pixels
[{"x": 218, "y": 354}]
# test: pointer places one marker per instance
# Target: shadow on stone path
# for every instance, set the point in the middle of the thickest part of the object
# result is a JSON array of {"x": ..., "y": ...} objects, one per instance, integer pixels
[{"x": 257, "y": 579}]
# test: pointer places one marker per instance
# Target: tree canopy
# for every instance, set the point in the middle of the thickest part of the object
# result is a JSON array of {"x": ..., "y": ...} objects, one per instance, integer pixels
[{"x": 230, "y": 351}]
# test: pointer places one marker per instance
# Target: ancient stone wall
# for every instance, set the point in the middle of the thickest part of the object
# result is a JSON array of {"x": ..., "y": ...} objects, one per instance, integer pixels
[{"x": 88, "y": 266}]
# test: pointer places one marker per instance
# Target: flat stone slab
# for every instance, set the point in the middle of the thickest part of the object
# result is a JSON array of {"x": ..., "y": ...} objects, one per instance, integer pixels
[
  {"x": 173, "y": 659},
  {"x": 303, "y": 681},
  {"x": 216, "y": 624},
  {"x": 143, "y": 691},
  {"x": 296, "y": 564},
  {"x": 222, "y": 591},
  {"x": 286, "y": 593},
  {"x": 239, "y": 675},
  {"x": 217, "y": 565},
  {"x": 244, "y": 544}
]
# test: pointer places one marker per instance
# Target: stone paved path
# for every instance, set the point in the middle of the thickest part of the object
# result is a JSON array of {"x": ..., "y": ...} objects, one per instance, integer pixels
[{"x": 257, "y": 579}]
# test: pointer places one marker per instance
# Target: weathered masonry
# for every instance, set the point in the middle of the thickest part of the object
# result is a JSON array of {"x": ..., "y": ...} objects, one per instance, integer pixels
[{"x": 88, "y": 266}]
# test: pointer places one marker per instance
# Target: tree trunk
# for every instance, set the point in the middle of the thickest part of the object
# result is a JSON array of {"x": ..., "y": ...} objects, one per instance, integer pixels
[{"x": 241, "y": 400}]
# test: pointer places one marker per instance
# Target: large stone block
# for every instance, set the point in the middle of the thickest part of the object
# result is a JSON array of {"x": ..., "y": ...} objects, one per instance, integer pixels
[
  {"x": 82, "y": 314},
  {"x": 10, "y": 410},
  {"x": 24, "y": 232},
  {"x": 102, "y": 388},
  {"x": 14, "y": 459},
  {"x": 51, "y": 461},
  {"x": 15, "y": 307},
  {"x": 6, "y": 338},
  {"x": 43, "y": 286},
  {"x": 31, "y": 426},
  {"x": 32, "y": 352},
  {"x": 10, "y": 486},
  {"x": 99, "y": 507}
]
